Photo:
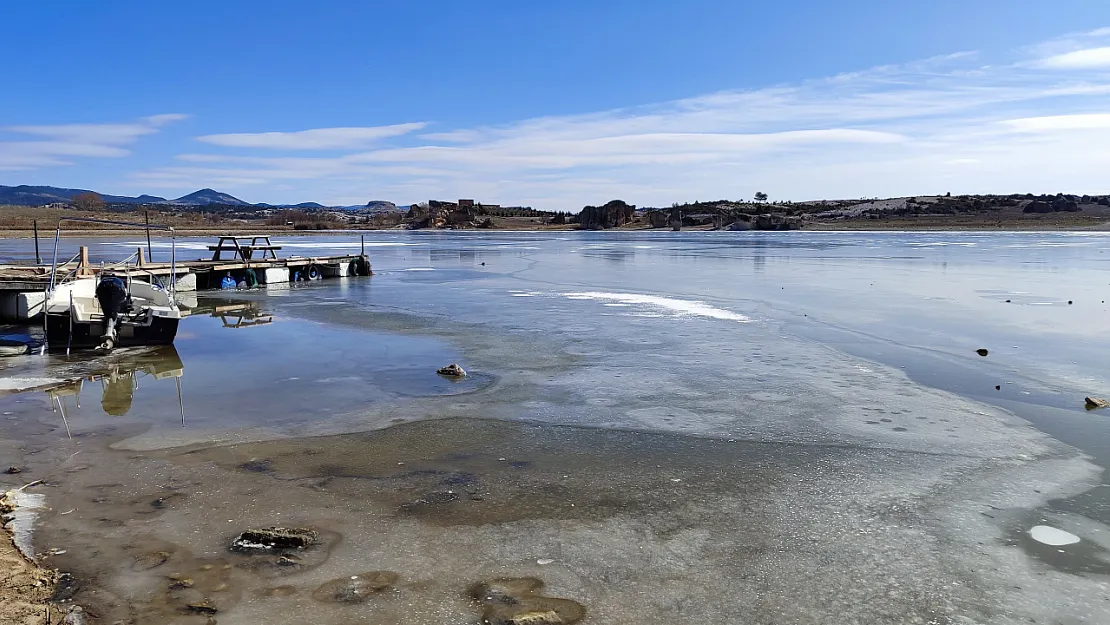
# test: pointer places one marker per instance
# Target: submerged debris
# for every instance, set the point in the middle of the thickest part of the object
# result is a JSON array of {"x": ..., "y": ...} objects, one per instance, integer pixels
[
  {"x": 515, "y": 601},
  {"x": 203, "y": 607},
  {"x": 982, "y": 351},
  {"x": 452, "y": 369},
  {"x": 76, "y": 616},
  {"x": 356, "y": 588},
  {"x": 268, "y": 538},
  {"x": 1094, "y": 403},
  {"x": 148, "y": 561}
]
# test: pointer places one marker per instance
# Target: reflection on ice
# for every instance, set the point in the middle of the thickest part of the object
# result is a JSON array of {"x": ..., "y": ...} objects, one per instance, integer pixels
[{"x": 119, "y": 379}]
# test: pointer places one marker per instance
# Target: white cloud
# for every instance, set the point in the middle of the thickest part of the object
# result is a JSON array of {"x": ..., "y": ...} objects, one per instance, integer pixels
[
  {"x": 315, "y": 139},
  {"x": 957, "y": 123},
  {"x": 56, "y": 142},
  {"x": 1091, "y": 58},
  {"x": 1053, "y": 123}
]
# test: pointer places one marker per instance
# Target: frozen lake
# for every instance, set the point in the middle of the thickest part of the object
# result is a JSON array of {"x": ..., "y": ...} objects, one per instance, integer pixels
[{"x": 729, "y": 427}]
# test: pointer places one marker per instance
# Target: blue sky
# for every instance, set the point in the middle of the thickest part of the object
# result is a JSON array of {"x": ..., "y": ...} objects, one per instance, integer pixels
[{"x": 556, "y": 104}]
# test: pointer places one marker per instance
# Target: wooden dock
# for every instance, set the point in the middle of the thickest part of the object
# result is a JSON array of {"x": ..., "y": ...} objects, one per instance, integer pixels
[{"x": 23, "y": 287}]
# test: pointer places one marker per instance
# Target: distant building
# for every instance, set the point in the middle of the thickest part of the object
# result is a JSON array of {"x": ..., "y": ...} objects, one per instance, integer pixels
[
  {"x": 490, "y": 206},
  {"x": 55, "y": 205},
  {"x": 469, "y": 203}
]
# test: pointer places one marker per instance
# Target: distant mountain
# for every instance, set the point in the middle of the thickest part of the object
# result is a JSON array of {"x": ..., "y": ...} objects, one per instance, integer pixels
[
  {"x": 381, "y": 206},
  {"x": 209, "y": 196},
  {"x": 26, "y": 195}
]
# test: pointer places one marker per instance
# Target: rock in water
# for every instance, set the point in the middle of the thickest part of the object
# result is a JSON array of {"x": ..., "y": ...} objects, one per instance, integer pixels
[
  {"x": 516, "y": 601},
  {"x": 982, "y": 351},
  {"x": 453, "y": 370},
  {"x": 268, "y": 538},
  {"x": 356, "y": 588},
  {"x": 1095, "y": 402}
]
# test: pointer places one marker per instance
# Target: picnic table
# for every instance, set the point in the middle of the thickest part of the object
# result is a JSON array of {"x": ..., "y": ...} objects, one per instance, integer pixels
[{"x": 240, "y": 247}]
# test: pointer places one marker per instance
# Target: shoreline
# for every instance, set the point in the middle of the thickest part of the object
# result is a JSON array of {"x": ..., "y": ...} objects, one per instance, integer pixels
[
  {"x": 859, "y": 226},
  {"x": 25, "y": 587}
]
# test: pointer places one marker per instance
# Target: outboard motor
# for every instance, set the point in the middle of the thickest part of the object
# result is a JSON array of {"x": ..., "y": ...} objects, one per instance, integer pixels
[{"x": 111, "y": 292}]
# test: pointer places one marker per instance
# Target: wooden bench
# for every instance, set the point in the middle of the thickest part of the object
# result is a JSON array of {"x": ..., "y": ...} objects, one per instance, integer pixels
[{"x": 239, "y": 247}]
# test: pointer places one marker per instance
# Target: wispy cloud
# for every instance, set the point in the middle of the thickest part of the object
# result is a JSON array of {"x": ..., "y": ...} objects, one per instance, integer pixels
[
  {"x": 315, "y": 139},
  {"x": 54, "y": 145},
  {"x": 1052, "y": 123},
  {"x": 959, "y": 122},
  {"x": 1091, "y": 58}
]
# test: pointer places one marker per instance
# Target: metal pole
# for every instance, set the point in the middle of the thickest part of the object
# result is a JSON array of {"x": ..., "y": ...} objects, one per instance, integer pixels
[
  {"x": 149, "y": 254},
  {"x": 54, "y": 263},
  {"x": 38, "y": 259},
  {"x": 50, "y": 291},
  {"x": 363, "y": 237},
  {"x": 173, "y": 265}
]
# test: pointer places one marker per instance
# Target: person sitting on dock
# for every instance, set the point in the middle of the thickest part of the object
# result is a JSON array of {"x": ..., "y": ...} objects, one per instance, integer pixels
[{"x": 228, "y": 282}]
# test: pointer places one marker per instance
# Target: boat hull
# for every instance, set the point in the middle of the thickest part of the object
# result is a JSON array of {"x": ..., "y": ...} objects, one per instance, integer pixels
[{"x": 161, "y": 331}]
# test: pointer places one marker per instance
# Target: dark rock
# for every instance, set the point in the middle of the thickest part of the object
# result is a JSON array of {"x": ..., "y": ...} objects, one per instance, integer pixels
[
  {"x": 356, "y": 588},
  {"x": 269, "y": 538},
  {"x": 13, "y": 470},
  {"x": 452, "y": 370},
  {"x": 657, "y": 219},
  {"x": 982, "y": 352},
  {"x": 1065, "y": 205},
  {"x": 65, "y": 589},
  {"x": 256, "y": 465},
  {"x": 1037, "y": 206},
  {"x": 997, "y": 387},
  {"x": 612, "y": 215}
]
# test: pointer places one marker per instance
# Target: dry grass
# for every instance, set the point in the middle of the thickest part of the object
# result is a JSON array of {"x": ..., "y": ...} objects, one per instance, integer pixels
[{"x": 19, "y": 221}]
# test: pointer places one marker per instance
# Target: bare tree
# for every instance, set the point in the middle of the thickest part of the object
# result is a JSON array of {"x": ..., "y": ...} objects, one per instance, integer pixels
[{"x": 89, "y": 201}]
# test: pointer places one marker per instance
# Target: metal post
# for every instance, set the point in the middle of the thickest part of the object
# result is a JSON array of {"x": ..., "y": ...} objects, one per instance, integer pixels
[
  {"x": 149, "y": 254},
  {"x": 173, "y": 264},
  {"x": 50, "y": 291},
  {"x": 363, "y": 237},
  {"x": 54, "y": 263},
  {"x": 38, "y": 259}
]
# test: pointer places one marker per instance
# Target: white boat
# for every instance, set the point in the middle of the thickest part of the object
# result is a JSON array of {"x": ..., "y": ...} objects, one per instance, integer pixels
[
  {"x": 76, "y": 317},
  {"x": 112, "y": 307}
]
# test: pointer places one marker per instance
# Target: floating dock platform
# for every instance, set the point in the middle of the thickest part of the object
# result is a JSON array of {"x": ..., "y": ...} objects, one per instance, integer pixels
[{"x": 23, "y": 287}]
